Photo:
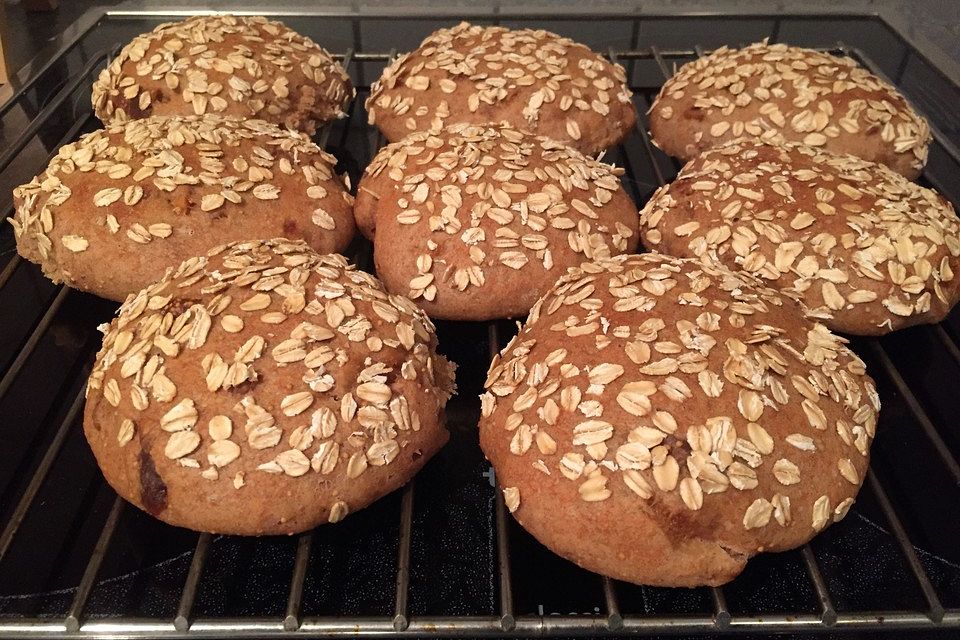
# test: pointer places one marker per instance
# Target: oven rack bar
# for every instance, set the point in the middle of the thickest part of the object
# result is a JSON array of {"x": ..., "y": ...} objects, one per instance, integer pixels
[{"x": 886, "y": 622}]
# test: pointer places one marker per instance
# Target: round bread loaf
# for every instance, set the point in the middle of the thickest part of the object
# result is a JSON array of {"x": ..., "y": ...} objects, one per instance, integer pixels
[
  {"x": 660, "y": 421},
  {"x": 476, "y": 222},
  {"x": 533, "y": 79},
  {"x": 118, "y": 207},
  {"x": 241, "y": 67},
  {"x": 865, "y": 249},
  {"x": 788, "y": 94},
  {"x": 265, "y": 389}
]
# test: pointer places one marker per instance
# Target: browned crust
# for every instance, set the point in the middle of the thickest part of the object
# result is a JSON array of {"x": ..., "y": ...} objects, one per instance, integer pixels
[
  {"x": 476, "y": 222},
  {"x": 259, "y": 69},
  {"x": 118, "y": 207},
  {"x": 532, "y": 79},
  {"x": 348, "y": 337},
  {"x": 648, "y": 342},
  {"x": 868, "y": 251},
  {"x": 788, "y": 94}
]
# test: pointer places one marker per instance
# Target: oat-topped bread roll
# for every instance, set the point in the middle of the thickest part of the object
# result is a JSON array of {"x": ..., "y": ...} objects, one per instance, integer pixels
[
  {"x": 866, "y": 250},
  {"x": 236, "y": 66},
  {"x": 118, "y": 207},
  {"x": 660, "y": 421},
  {"x": 265, "y": 389},
  {"x": 788, "y": 94},
  {"x": 476, "y": 222},
  {"x": 533, "y": 79}
]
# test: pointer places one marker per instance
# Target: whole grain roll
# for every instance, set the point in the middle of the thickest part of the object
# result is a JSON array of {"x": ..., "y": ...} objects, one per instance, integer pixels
[
  {"x": 866, "y": 250},
  {"x": 660, "y": 421},
  {"x": 119, "y": 206},
  {"x": 533, "y": 79},
  {"x": 788, "y": 94},
  {"x": 476, "y": 222},
  {"x": 236, "y": 66},
  {"x": 264, "y": 389}
]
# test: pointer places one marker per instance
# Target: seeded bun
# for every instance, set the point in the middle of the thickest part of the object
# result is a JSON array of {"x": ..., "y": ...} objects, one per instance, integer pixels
[
  {"x": 661, "y": 421},
  {"x": 476, "y": 222},
  {"x": 788, "y": 94},
  {"x": 236, "y": 66},
  {"x": 265, "y": 389},
  {"x": 533, "y": 79},
  {"x": 118, "y": 207},
  {"x": 865, "y": 249}
]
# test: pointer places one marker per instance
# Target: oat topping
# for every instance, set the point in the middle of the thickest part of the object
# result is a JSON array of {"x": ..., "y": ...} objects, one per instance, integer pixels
[
  {"x": 534, "y": 79},
  {"x": 511, "y": 497},
  {"x": 666, "y": 427},
  {"x": 491, "y": 197},
  {"x": 781, "y": 93},
  {"x": 129, "y": 174},
  {"x": 245, "y": 67},
  {"x": 848, "y": 236},
  {"x": 257, "y": 409}
]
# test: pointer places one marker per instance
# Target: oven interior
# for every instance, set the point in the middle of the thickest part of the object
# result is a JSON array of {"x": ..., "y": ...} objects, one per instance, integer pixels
[{"x": 442, "y": 556}]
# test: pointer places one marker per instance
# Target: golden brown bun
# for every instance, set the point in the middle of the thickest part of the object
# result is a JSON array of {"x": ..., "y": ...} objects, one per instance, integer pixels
[
  {"x": 118, "y": 207},
  {"x": 788, "y": 94},
  {"x": 476, "y": 222},
  {"x": 265, "y": 389},
  {"x": 866, "y": 250},
  {"x": 236, "y": 66},
  {"x": 660, "y": 421},
  {"x": 533, "y": 79}
]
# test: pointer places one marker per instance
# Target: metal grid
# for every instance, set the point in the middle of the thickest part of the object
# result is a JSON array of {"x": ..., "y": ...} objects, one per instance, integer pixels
[{"x": 611, "y": 618}]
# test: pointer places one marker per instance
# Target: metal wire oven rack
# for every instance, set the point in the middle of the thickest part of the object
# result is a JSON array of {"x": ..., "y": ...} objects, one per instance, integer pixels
[{"x": 442, "y": 557}]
